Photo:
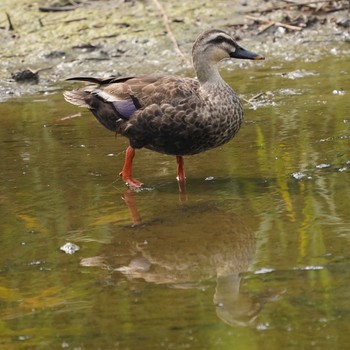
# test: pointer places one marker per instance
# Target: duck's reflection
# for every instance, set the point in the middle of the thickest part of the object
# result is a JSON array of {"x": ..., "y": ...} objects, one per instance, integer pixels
[
  {"x": 193, "y": 244},
  {"x": 129, "y": 199}
]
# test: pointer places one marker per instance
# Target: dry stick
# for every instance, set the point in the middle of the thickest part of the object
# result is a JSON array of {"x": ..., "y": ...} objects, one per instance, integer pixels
[
  {"x": 75, "y": 20},
  {"x": 40, "y": 69},
  {"x": 269, "y": 25},
  {"x": 250, "y": 101},
  {"x": 170, "y": 33},
  {"x": 294, "y": 3},
  {"x": 288, "y": 26},
  {"x": 9, "y": 21},
  {"x": 256, "y": 96},
  {"x": 278, "y": 24},
  {"x": 57, "y": 9},
  {"x": 71, "y": 116}
]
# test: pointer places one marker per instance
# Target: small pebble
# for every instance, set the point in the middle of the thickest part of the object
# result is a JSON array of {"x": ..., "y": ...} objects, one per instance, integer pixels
[
  {"x": 322, "y": 166},
  {"x": 344, "y": 22},
  {"x": 340, "y": 92},
  {"x": 209, "y": 178},
  {"x": 70, "y": 248},
  {"x": 300, "y": 176}
]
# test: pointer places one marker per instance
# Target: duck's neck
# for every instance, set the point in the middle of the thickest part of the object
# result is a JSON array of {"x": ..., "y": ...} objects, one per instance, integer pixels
[{"x": 207, "y": 72}]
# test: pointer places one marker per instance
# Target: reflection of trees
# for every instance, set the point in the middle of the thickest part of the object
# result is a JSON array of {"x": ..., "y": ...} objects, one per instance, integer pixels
[{"x": 308, "y": 126}]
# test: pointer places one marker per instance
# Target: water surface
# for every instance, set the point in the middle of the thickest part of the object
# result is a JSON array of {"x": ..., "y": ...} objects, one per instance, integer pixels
[{"x": 256, "y": 258}]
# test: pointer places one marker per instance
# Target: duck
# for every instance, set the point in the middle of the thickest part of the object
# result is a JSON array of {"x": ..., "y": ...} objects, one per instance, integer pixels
[{"x": 170, "y": 114}]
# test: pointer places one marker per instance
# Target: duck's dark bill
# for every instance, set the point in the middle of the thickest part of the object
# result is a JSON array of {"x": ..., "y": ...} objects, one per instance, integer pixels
[{"x": 245, "y": 54}]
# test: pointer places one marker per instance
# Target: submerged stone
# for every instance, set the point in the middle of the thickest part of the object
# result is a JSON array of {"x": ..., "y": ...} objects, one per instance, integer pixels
[{"x": 70, "y": 248}]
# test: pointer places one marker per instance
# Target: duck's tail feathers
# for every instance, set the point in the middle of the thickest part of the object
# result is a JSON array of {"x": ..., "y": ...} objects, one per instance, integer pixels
[
  {"x": 88, "y": 79},
  {"x": 77, "y": 97},
  {"x": 102, "y": 81}
]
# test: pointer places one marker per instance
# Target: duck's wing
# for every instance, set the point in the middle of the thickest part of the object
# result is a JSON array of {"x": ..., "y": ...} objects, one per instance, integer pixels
[
  {"x": 117, "y": 99},
  {"x": 150, "y": 89}
]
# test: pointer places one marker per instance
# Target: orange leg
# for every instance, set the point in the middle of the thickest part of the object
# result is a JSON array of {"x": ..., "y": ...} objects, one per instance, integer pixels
[
  {"x": 126, "y": 173},
  {"x": 181, "y": 178}
]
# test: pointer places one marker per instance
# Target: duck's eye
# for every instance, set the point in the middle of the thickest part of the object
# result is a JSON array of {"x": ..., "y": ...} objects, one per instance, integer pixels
[
  {"x": 217, "y": 40},
  {"x": 220, "y": 39}
]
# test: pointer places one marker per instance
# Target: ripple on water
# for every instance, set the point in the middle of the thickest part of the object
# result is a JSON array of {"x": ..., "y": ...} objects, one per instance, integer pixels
[
  {"x": 299, "y": 73},
  {"x": 301, "y": 176}
]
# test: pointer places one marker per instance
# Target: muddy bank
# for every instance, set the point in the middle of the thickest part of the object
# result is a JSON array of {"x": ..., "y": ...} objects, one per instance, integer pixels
[{"x": 44, "y": 42}]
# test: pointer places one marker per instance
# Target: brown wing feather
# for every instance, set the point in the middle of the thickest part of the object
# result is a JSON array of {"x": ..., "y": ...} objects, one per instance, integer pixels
[
  {"x": 163, "y": 122},
  {"x": 154, "y": 89},
  {"x": 160, "y": 101}
]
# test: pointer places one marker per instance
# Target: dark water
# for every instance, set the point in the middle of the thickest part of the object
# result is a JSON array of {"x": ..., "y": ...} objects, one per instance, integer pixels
[{"x": 256, "y": 258}]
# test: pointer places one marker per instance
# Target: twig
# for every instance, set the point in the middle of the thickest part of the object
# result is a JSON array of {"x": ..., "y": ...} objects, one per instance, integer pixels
[
  {"x": 270, "y": 23},
  {"x": 71, "y": 116},
  {"x": 251, "y": 100},
  {"x": 306, "y": 3},
  {"x": 247, "y": 101},
  {"x": 57, "y": 8},
  {"x": 262, "y": 30},
  {"x": 41, "y": 69},
  {"x": 256, "y": 96},
  {"x": 288, "y": 26},
  {"x": 75, "y": 20},
  {"x": 170, "y": 33},
  {"x": 9, "y": 21}
]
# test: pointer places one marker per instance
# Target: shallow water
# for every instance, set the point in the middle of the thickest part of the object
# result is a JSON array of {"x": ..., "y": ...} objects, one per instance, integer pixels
[{"x": 257, "y": 257}]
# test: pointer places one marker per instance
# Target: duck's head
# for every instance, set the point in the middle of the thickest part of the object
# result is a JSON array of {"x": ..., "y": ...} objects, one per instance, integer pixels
[{"x": 215, "y": 45}]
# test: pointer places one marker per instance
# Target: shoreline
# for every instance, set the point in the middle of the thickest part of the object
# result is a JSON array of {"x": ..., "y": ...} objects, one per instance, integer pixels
[{"x": 54, "y": 42}]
